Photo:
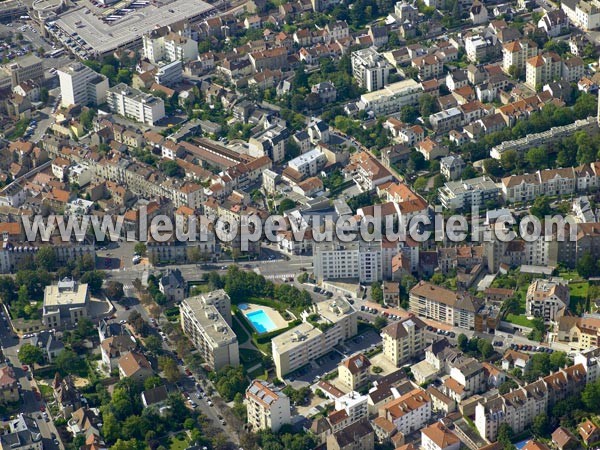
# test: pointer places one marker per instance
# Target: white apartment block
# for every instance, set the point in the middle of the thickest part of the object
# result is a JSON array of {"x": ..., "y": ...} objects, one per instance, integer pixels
[
  {"x": 409, "y": 412},
  {"x": 310, "y": 340},
  {"x": 542, "y": 69},
  {"x": 209, "y": 332},
  {"x": 392, "y": 98},
  {"x": 268, "y": 408},
  {"x": 545, "y": 298},
  {"x": 516, "y": 53},
  {"x": 355, "y": 405},
  {"x": 443, "y": 305},
  {"x": 169, "y": 74},
  {"x": 438, "y": 437},
  {"x": 468, "y": 193},
  {"x": 527, "y": 187},
  {"x": 171, "y": 47},
  {"x": 583, "y": 14},
  {"x": 352, "y": 260},
  {"x": 308, "y": 164},
  {"x": 519, "y": 407},
  {"x": 80, "y": 85},
  {"x": 403, "y": 340},
  {"x": 134, "y": 104},
  {"x": 370, "y": 69}
]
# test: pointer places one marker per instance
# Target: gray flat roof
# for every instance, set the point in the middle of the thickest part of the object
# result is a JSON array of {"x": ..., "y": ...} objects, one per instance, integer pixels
[{"x": 104, "y": 37}]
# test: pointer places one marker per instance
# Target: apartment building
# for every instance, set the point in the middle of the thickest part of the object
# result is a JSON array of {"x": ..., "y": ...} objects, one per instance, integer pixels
[
  {"x": 573, "y": 69},
  {"x": 582, "y": 13},
  {"x": 268, "y": 407},
  {"x": 470, "y": 375},
  {"x": 393, "y": 97},
  {"x": 458, "y": 309},
  {"x": 439, "y": 437},
  {"x": 566, "y": 181},
  {"x": 337, "y": 321},
  {"x": 516, "y": 53},
  {"x": 452, "y": 167},
  {"x": 135, "y": 104},
  {"x": 357, "y": 260},
  {"x": 23, "y": 434},
  {"x": 429, "y": 66},
  {"x": 80, "y": 85},
  {"x": 354, "y": 371},
  {"x": 169, "y": 74},
  {"x": 446, "y": 120},
  {"x": 542, "y": 69},
  {"x": 272, "y": 59},
  {"x": 519, "y": 407},
  {"x": 28, "y": 67},
  {"x": 367, "y": 171},
  {"x": 579, "y": 333},
  {"x": 210, "y": 333},
  {"x": 547, "y": 299},
  {"x": 403, "y": 340},
  {"x": 309, "y": 164},
  {"x": 468, "y": 193},
  {"x": 171, "y": 46},
  {"x": 409, "y": 412},
  {"x": 65, "y": 303},
  {"x": 357, "y": 436},
  {"x": 370, "y": 69}
]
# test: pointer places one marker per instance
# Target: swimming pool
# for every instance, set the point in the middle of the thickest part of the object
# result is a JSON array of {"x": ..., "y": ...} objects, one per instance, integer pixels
[{"x": 261, "y": 322}]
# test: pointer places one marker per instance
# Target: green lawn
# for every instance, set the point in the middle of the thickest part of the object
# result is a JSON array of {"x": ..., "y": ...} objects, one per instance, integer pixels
[
  {"x": 579, "y": 295},
  {"x": 178, "y": 442},
  {"x": 519, "y": 320},
  {"x": 46, "y": 391}
]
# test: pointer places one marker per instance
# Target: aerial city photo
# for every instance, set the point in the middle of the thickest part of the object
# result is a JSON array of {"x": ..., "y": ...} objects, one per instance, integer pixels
[{"x": 299, "y": 224}]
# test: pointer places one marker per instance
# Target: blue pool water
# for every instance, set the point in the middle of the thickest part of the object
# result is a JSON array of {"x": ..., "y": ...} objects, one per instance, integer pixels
[
  {"x": 521, "y": 444},
  {"x": 260, "y": 321}
]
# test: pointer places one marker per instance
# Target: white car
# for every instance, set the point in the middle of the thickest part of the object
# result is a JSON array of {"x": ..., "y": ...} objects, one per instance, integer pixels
[{"x": 122, "y": 322}]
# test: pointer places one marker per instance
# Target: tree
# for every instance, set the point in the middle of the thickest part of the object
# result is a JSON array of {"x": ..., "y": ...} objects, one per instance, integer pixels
[
  {"x": 541, "y": 426},
  {"x": 376, "y": 292},
  {"x": 507, "y": 386},
  {"x": 170, "y": 369},
  {"x": 67, "y": 362},
  {"x": 408, "y": 114},
  {"x": 492, "y": 166},
  {"x": 505, "y": 434},
  {"x": 537, "y": 158},
  {"x": 172, "y": 169},
  {"x": 463, "y": 342},
  {"x": 94, "y": 279},
  {"x": 485, "y": 348},
  {"x": 586, "y": 266},
  {"x": 591, "y": 397},
  {"x": 30, "y": 354},
  {"x": 86, "y": 118},
  {"x": 541, "y": 207},
  {"x": 380, "y": 322},
  {"x": 426, "y": 105},
  {"x": 140, "y": 249},
  {"x": 114, "y": 290},
  {"x": 153, "y": 344},
  {"x": 152, "y": 382},
  {"x": 285, "y": 205},
  {"x": 45, "y": 258},
  {"x": 509, "y": 160}
]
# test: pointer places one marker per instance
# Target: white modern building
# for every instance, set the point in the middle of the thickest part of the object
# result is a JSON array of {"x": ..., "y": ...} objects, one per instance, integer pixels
[
  {"x": 309, "y": 163},
  {"x": 134, "y": 104},
  {"x": 358, "y": 260},
  {"x": 80, "y": 85},
  {"x": 169, "y": 74},
  {"x": 65, "y": 303},
  {"x": 370, "y": 69},
  {"x": 209, "y": 332},
  {"x": 545, "y": 298},
  {"x": 336, "y": 322},
  {"x": 468, "y": 193},
  {"x": 392, "y": 98},
  {"x": 169, "y": 47},
  {"x": 268, "y": 408}
]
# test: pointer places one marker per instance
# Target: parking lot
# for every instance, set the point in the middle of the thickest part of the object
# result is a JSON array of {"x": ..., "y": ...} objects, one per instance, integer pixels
[{"x": 314, "y": 371}]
